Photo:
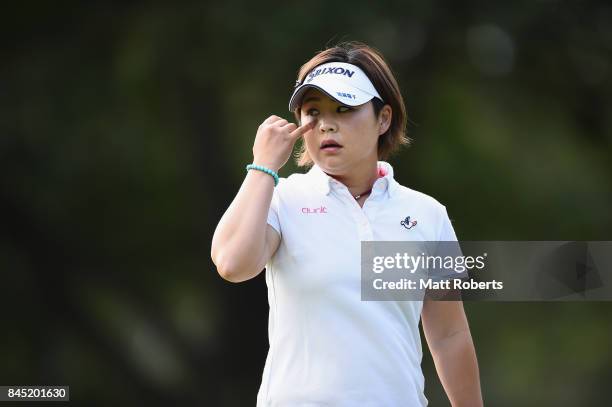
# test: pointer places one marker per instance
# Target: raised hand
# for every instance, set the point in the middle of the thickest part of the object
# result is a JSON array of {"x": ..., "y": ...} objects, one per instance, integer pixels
[{"x": 275, "y": 140}]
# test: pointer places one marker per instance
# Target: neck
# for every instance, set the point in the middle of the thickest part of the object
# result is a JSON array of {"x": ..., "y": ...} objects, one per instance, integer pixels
[{"x": 361, "y": 179}]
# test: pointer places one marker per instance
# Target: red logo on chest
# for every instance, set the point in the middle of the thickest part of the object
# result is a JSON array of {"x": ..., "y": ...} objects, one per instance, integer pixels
[{"x": 320, "y": 209}]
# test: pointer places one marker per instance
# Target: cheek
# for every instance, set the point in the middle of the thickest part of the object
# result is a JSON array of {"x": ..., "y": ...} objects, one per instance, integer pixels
[
  {"x": 309, "y": 138},
  {"x": 368, "y": 140},
  {"x": 310, "y": 141}
]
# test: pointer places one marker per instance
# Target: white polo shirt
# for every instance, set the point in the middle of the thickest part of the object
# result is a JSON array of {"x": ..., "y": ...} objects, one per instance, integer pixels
[{"x": 327, "y": 347}]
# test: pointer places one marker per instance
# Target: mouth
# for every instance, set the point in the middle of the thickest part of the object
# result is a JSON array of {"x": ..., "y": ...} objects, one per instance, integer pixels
[{"x": 330, "y": 145}]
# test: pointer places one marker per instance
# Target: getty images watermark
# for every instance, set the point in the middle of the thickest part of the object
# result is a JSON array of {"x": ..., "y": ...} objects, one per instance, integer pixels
[{"x": 491, "y": 270}]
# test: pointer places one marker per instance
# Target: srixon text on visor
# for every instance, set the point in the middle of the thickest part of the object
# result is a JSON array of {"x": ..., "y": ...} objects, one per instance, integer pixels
[{"x": 330, "y": 70}]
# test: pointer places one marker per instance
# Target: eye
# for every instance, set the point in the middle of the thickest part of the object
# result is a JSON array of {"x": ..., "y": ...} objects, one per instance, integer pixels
[
  {"x": 344, "y": 109},
  {"x": 312, "y": 112}
]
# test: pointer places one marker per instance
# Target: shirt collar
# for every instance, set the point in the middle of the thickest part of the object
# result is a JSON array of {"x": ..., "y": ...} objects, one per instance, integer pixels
[{"x": 324, "y": 182}]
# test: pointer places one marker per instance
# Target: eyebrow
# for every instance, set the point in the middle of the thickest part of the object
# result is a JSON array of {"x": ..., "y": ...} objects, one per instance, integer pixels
[{"x": 312, "y": 98}]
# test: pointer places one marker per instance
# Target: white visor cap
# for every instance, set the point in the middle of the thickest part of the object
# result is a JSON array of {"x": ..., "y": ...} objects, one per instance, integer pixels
[{"x": 345, "y": 83}]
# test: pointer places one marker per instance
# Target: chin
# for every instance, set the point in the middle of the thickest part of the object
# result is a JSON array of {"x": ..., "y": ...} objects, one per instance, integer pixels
[{"x": 332, "y": 165}]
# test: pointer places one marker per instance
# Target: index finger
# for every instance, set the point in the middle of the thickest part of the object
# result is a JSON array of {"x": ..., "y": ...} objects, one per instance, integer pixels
[{"x": 302, "y": 129}]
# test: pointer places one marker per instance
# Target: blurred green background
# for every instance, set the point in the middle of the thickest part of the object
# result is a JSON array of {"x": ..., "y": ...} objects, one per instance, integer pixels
[{"x": 125, "y": 128}]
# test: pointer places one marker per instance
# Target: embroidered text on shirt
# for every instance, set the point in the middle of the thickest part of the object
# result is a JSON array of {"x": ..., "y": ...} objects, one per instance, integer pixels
[{"x": 321, "y": 209}]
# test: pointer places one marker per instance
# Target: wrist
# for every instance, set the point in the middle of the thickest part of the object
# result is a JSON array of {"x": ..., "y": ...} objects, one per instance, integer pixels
[
  {"x": 264, "y": 169},
  {"x": 267, "y": 164}
]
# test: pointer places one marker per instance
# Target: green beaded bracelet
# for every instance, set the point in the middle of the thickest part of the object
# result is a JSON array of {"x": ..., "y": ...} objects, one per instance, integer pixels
[{"x": 268, "y": 171}]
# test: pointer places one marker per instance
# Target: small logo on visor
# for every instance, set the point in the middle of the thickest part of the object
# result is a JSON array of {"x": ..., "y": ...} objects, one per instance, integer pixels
[{"x": 346, "y": 95}]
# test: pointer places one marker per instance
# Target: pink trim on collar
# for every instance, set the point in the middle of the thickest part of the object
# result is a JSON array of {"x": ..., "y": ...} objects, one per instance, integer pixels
[{"x": 381, "y": 171}]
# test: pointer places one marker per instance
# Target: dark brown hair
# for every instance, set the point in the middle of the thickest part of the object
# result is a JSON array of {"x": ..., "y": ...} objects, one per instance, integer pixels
[{"x": 378, "y": 71}]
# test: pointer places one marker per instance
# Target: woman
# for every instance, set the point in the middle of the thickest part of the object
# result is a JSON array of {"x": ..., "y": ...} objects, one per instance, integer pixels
[{"x": 327, "y": 347}]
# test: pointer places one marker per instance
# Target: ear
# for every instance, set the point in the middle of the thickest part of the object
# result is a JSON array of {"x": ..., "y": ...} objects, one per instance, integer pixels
[{"x": 384, "y": 119}]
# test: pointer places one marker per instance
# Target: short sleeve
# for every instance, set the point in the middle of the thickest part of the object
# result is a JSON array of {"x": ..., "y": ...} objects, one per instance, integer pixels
[
  {"x": 445, "y": 250},
  {"x": 447, "y": 233},
  {"x": 273, "y": 219}
]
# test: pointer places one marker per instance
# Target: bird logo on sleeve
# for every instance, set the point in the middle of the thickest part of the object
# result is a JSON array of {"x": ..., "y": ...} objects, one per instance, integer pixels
[{"x": 407, "y": 223}]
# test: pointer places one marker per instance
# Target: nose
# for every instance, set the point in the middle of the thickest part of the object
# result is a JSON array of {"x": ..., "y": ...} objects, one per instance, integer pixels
[{"x": 327, "y": 126}]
